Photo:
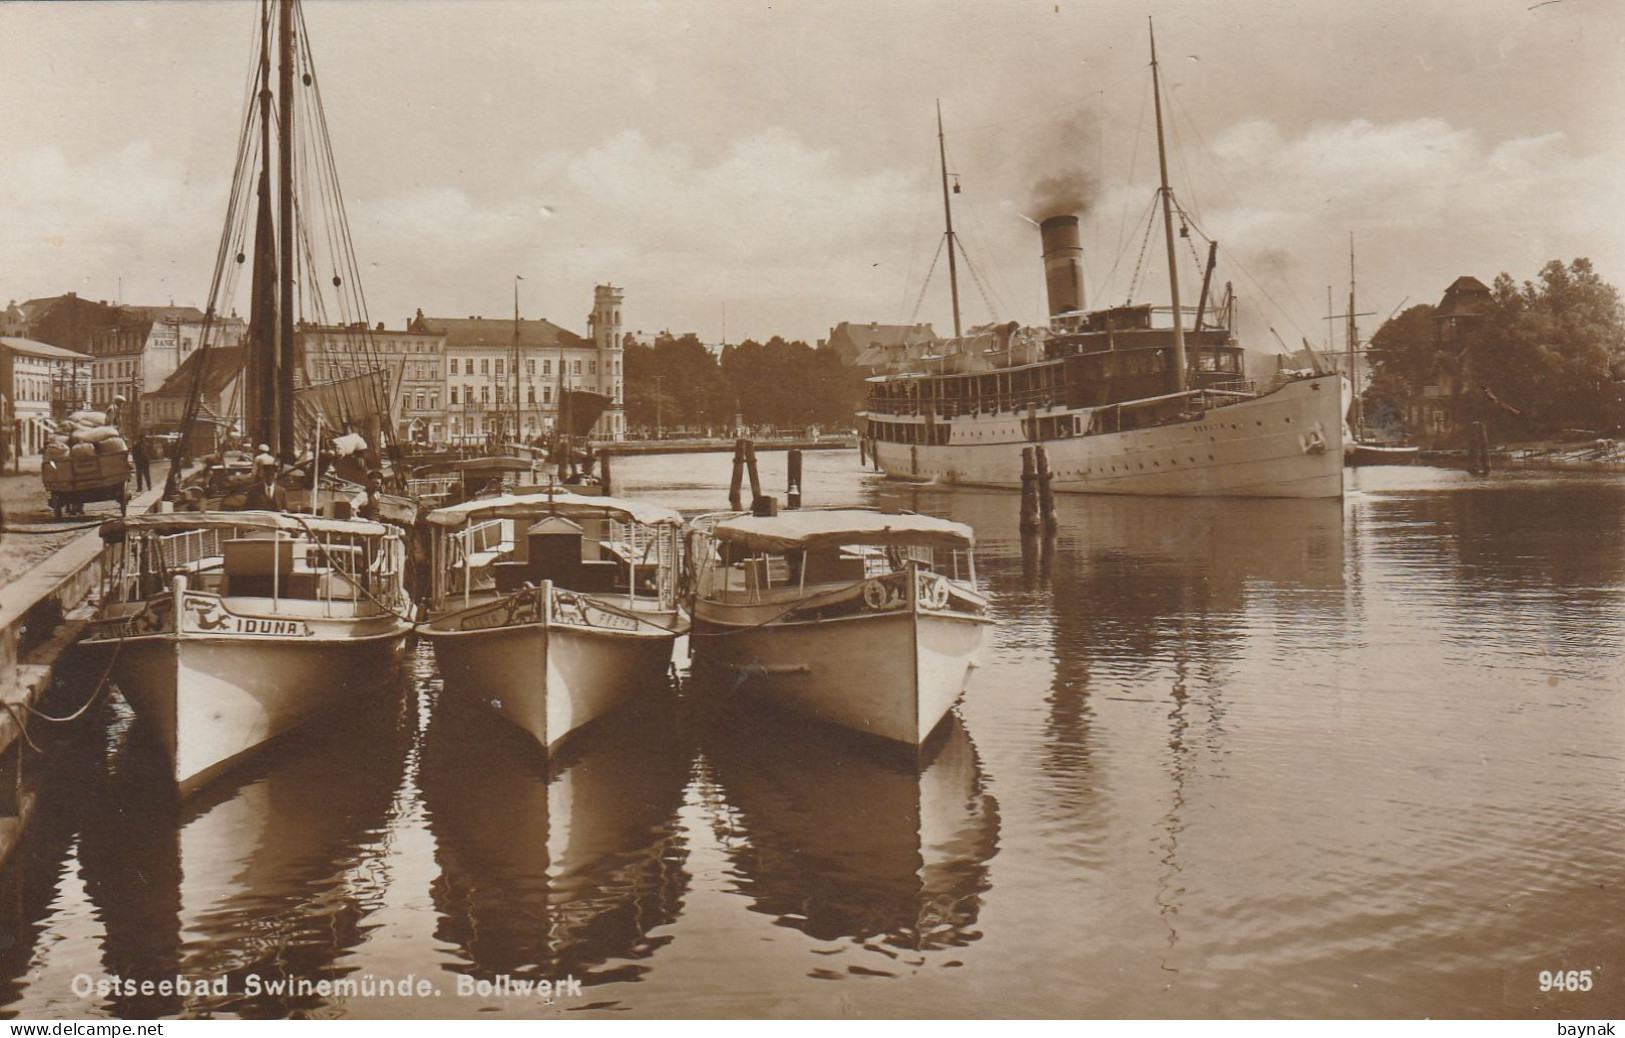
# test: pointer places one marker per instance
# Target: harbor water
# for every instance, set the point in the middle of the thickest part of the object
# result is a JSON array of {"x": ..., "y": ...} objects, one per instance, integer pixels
[{"x": 1357, "y": 758}]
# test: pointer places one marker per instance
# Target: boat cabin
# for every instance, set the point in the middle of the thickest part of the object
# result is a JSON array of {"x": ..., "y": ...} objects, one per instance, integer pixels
[
  {"x": 605, "y": 546},
  {"x": 748, "y": 560},
  {"x": 294, "y": 563}
]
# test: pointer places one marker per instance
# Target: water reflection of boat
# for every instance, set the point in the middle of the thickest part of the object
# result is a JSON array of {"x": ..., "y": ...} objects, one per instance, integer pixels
[
  {"x": 1226, "y": 543},
  {"x": 257, "y": 878},
  {"x": 553, "y": 866},
  {"x": 843, "y": 838}
]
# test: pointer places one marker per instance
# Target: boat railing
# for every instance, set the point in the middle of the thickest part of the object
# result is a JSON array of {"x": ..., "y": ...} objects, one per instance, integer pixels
[
  {"x": 189, "y": 549},
  {"x": 954, "y": 407}
]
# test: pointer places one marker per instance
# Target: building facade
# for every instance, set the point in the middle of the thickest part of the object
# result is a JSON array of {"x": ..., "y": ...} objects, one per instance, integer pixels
[
  {"x": 413, "y": 359},
  {"x": 40, "y": 383},
  {"x": 505, "y": 378}
]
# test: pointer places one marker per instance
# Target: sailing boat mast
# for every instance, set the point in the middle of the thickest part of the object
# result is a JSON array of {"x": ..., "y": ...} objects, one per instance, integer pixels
[
  {"x": 1182, "y": 375},
  {"x": 1353, "y": 350},
  {"x": 259, "y": 396},
  {"x": 513, "y": 356},
  {"x": 948, "y": 215},
  {"x": 285, "y": 300}
]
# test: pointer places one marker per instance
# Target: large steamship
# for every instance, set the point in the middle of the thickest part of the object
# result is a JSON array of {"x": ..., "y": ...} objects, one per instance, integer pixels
[{"x": 1127, "y": 400}]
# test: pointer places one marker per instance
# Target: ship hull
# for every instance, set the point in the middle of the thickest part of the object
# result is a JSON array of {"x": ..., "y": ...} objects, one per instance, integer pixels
[
  {"x": 214, "y": 700},
  {"x": 550, "y": 677},
  {"x": 1287, "y": 443},
  {"x": 894, "y": 675}
]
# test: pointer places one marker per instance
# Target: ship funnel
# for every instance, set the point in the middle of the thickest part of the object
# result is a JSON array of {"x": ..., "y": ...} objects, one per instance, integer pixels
[{"x": 1063, "y": 264}]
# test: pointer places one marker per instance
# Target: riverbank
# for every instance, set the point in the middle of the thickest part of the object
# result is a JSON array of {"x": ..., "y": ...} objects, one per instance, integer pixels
[{"x": 1593, "y": 456}]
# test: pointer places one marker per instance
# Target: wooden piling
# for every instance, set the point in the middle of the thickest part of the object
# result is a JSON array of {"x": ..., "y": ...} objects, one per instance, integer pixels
[
  {"x": 1029, "y": 492},
  {"x": 735, "y": 500},
  {"x": 603, "y": 473},
  {"x": 792, "y": 491},
  {"x": 1046, "y": 496},
  {"x": 750, "y": 466}
]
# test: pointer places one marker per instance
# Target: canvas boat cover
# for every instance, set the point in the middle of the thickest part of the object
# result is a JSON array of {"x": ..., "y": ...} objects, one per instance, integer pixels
[
  {"x": 838, "y": 527},
  {"x": 284, "y": 522},
  {"x": 535, "y": 506}
]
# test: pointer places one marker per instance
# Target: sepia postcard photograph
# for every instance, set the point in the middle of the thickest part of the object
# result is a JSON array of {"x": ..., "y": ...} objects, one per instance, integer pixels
[{"x": 731, "y": 510}]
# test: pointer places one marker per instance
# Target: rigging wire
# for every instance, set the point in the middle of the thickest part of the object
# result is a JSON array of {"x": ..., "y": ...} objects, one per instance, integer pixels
[{"x": 913, "y": 317}]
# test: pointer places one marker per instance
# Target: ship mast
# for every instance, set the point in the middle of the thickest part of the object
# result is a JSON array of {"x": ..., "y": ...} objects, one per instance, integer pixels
[
  {"x": 285, "y": 228},
  {"x": 513, "y": 358},
  {"x": 948, "y": 215},
  {"x": 1182, "y": 375},
  {"x": 1353, "y": 350}
]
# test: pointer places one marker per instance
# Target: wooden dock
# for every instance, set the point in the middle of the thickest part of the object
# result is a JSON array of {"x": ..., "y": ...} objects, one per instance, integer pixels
[{"x": 626, "y": 448}]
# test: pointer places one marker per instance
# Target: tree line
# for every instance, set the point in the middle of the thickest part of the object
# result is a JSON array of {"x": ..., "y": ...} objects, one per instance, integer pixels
[
  {"x": 1539, "y": 358},
  {"x": 676, "y": 385}
]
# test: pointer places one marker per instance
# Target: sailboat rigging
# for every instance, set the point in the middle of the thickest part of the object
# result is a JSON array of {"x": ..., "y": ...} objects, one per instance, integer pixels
[{"x": 225, "y": 629}]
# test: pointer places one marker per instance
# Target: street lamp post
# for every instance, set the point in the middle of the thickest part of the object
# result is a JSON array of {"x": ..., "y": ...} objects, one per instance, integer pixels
[{"x": 660, "y": 425}]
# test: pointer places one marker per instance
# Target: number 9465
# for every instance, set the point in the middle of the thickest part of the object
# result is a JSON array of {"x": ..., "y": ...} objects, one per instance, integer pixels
[{"x": 1571, "y": 980}]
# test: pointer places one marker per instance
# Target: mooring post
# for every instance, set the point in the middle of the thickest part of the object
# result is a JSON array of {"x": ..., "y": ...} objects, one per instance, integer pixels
[
  {"x": 735, "y": 501},
  {"x": 1046, "y": 496},
  {"x": 1029, "y": 492},
  {"x": 750, "y": 465},
  {"x": 792, "y": 492},
  {"x": 1478, "y": 450}
]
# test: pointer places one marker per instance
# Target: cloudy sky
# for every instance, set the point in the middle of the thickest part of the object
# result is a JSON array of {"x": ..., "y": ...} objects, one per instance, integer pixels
[{"x": 777, "y": 162}]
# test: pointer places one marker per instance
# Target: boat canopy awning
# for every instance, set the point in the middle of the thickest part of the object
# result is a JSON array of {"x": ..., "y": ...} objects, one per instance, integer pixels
[
  {"x": 571, "y": 506},
  {"x": 282, "y": 522},
  {"x": 837, "y": 527},
  {"x": 490, "y": 463}
]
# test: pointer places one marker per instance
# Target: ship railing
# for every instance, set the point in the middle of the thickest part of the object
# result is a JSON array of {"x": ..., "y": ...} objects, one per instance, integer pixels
[{"x": 954, "y": 407}]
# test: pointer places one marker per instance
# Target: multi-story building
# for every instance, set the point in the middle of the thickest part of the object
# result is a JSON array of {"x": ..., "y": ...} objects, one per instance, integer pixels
[
  {"x": 33, "y": 377},
  {"x": 505, "y": 378},
  {"x": 414, "y": 363}
]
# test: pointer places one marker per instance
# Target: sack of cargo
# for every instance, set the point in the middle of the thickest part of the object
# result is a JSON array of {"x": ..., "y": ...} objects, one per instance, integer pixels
[
  {"x": 95, "y": 435},
  {"x": 82, "y": 450},
  {"x": 88, "y": 419},
  {"x": 56, "y": 451},
  {"x": 112, "y": 445}
]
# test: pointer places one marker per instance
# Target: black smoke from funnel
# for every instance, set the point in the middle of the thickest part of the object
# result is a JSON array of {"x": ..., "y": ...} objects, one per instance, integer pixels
[{"x": 1061, "y": 183}]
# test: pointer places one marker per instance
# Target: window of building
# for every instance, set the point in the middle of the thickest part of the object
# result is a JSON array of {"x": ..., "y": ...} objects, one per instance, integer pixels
[
  {"x": 530, "y": 367},
  {"x": 547, "y": 367},
  {"x": 454, "y": 394},
  {"x": 452, "y": 369},
  {"x": 499, "y": 396},
  {"x": 485, "y": 394},
  {"x": 547, "y": 394},
  {"x": 532, "y": 392},
  {"x": 485, "y": 365},
  {"x": 577, "y": 369},
  {"x": 499, "y": 367},
  {"x": 592, "y": 367}
]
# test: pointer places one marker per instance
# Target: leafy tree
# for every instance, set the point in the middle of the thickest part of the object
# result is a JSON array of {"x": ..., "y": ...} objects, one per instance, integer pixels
[
  {"x": 1402, "y": 354},
  {"x": 1544, "y": 356},
  {"x": 1549, "y": 348}
]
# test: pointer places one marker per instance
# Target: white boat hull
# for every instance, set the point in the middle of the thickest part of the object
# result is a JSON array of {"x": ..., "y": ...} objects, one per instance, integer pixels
[
  {"x": 215, "y": 698},
  {"x": 895, "y": 675},
  {"x": 1287, "y": 443},
  {"x": 550, "y": 676}
]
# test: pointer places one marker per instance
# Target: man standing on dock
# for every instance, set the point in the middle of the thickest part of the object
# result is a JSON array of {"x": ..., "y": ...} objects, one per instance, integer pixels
[{"x": 140, "y": 454}]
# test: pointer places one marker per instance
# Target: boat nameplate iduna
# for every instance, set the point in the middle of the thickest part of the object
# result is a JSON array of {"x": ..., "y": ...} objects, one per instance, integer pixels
[{"x": 205, "y": 614}]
